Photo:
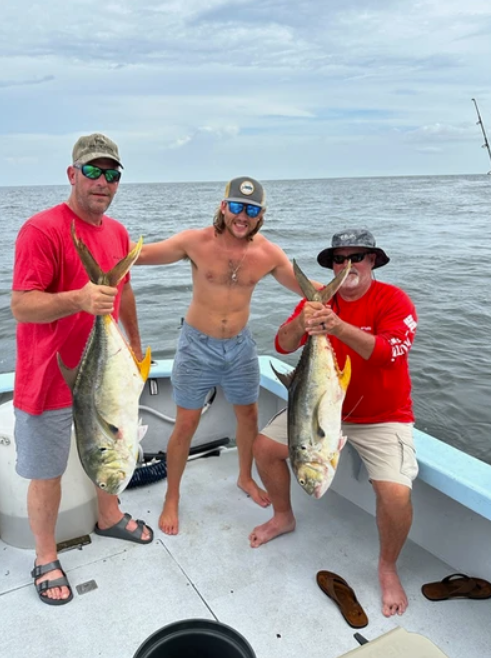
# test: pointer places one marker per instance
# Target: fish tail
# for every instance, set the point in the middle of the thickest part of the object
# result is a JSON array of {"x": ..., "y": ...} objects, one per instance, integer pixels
[
  {"x": 331, "y": 289},
  {"x": 309, "y": 290},
  {"x": 96, "y": 274},
  {"x": 115, "y": 275}
]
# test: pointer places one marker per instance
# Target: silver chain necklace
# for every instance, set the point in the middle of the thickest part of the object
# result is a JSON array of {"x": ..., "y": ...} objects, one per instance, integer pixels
[{"x": 233, "y": 276}]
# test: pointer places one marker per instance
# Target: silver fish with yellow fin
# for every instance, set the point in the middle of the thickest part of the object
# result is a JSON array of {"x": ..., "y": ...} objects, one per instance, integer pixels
[
  {"x": 316, "y": 391},
  {"x": 106, "y": 387}
]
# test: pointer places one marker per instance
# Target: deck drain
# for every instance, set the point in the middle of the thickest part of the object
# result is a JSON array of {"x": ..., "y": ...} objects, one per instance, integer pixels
[
  {"x": 86, "y": 587},
  {"x": 77, "y": 542}
]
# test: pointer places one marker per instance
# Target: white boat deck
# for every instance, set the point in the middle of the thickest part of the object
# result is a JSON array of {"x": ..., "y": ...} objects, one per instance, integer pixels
[{"x": 209, "y": 571}]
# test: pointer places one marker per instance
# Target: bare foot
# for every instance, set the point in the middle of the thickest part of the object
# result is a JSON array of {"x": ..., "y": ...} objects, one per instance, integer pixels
[
  {"x": 280, "y": 524},
  {"x": 394, "y": 599},
  {"x": 53, "y": 592},
  {"x": 258, "y": 495},
  {"x": 169, "y": 519}
]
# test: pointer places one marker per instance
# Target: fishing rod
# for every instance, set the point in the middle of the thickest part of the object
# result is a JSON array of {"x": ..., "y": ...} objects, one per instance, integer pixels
[{"x": 480, "y": 123}]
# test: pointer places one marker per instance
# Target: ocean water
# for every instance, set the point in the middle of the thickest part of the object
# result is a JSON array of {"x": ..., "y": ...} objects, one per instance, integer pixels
[{"x": 435, "y": 230}]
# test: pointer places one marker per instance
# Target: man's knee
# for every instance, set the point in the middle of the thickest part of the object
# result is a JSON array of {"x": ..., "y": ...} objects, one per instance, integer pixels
[
  {"x": 392, "y": 493},
  {"x": 246, "y": 412},
  {"x": 187, "y": 421},
  {"x": 265, "y": 449}
]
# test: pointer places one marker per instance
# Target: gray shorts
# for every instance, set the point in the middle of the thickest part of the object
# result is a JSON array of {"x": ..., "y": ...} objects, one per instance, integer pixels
[
  {"x": 386, "y": 449},
  {"x": 202, "y": 362},
  {"x": 42, "y": 443}
]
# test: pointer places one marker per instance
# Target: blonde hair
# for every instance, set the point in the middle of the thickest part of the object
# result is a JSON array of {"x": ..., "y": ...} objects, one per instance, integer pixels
[{"x": 219, "y": 223}]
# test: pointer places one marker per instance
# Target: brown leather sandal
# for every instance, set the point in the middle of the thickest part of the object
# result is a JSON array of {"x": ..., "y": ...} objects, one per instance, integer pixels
[
  {"x": 338, "y": 590},
  {"x": 457, "y": 586}
]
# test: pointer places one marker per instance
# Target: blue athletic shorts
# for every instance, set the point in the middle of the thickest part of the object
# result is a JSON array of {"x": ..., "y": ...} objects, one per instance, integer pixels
[
  {"x": 202, "y": 362},
  {"x": 42, "y": 443}
]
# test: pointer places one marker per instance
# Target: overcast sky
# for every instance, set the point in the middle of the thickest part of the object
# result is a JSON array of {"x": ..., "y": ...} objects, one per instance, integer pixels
[{"x": 204, "y": 90}]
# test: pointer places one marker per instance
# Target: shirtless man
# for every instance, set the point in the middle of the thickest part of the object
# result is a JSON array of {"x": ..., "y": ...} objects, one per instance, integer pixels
[{"x": 215, "y": 346}]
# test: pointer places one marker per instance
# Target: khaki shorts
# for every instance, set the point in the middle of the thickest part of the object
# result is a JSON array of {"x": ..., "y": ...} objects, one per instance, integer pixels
[{"x": 386, "y": 449}]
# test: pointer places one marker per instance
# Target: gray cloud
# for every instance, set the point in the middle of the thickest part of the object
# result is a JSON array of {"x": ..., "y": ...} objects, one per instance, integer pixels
[
  {"x": 25, "y": 83},
  {"x": 314, "y": 87}
]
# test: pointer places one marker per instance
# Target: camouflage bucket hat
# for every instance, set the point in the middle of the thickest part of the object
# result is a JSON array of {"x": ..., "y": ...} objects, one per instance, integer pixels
[
  {"x": 353, "y": 237},
  {"x": 91, "y": 147},
  {"x": 245, "y": 190}
]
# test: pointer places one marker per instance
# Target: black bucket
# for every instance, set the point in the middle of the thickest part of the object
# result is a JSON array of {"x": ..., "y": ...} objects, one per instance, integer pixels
[{"x": 196, "y": 638}]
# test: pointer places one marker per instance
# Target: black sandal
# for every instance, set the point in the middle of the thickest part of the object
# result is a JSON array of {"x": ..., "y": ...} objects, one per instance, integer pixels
[{"x": 40, "y": 570}]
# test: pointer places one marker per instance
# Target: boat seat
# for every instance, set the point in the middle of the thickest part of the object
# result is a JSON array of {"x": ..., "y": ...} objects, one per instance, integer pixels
[{"x": 397, "y": 643}]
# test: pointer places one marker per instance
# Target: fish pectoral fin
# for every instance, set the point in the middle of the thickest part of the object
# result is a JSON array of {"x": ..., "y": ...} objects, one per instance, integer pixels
[
  {"x": 342, "y": 442},
  {"x": 69, "y": 374},
  {"x": 285, "y": 378},
  {"x": 110, "y": 430},
  {"x": 318, "y": 420},
  {"x": 142, "y": 430}
]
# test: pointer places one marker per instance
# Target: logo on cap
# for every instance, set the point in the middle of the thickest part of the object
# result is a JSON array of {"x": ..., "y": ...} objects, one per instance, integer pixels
[{"x": 246, "y": 187}]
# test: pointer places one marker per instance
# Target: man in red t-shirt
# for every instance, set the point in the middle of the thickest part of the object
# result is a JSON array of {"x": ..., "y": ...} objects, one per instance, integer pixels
[
  {"x": 55, "y": 304},
  {"x": 374, "y": 324}
]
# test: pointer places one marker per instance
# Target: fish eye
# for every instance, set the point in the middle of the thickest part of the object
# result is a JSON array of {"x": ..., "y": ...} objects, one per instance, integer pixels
[
  {"x": 302, "y": 481},
  {"x": 103, "y": 449},
  {"x": 102, "y": 485}
]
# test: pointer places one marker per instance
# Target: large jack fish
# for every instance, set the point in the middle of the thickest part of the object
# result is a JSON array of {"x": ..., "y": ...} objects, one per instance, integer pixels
[
  {"x": 316, "y": 390},
  {"x": 106, "y": 387}
]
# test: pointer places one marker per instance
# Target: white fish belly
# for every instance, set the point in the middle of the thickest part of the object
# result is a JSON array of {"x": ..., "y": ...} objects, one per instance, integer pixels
[
  {"x": 121, "y": 384},
  {"x": 327, "y": 398}
]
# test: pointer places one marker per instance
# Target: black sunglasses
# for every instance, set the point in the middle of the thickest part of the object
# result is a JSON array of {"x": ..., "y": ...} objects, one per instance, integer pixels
[
  {"x": 93, "y": 172},
  {"x": 354, "y": 258}
]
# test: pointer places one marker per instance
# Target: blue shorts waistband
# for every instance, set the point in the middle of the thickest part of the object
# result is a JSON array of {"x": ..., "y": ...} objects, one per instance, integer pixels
[{"x": 190, "y": 330}]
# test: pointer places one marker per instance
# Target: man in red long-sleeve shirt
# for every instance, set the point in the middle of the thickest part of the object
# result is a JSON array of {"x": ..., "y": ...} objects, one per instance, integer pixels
[{"x": 374, "y": 324}]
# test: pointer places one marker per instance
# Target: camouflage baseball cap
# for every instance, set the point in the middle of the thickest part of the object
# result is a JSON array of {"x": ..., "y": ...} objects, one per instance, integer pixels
[
  {"x": 245, "y": 190},
  {"x": 353, "y": 237},
  {"x": 91, "y": 147}
]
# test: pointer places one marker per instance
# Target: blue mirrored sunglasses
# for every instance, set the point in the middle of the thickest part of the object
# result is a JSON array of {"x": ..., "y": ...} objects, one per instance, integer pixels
[
  {"x": 93, "y": 172},
  {"x": 236, "y": 208}
]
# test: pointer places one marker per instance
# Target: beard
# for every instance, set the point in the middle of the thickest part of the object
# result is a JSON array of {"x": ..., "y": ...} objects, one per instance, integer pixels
[{"x": 352, "y": 280}]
